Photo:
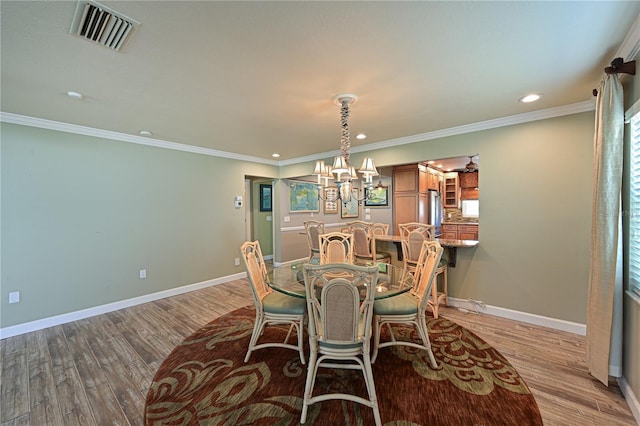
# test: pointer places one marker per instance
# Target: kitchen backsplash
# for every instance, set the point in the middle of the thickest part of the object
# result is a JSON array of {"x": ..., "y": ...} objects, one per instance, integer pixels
[{"x": 456, "y": 216}]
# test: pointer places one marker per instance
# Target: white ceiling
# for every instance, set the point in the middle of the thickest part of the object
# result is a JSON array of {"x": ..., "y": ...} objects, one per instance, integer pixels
[{"x": 255, "y": 78}]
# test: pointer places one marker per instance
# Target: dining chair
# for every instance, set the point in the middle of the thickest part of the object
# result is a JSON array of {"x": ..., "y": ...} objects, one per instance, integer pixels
[
  {"x": 359, "y": 224},
  {"x": 410, "y": 307},
  {"x": 412, "y": 235},
  {"x": 336, "y": 247},
  {"x": 364, "y": 248},
  {"x": 272, "y": 307},
  {"x": 313, "y": 229},
  {"x": 380, "y": 228},
  {"x": 340, "y": 328}
]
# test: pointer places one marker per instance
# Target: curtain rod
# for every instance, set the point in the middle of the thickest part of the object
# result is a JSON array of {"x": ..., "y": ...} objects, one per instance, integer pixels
[{"x": 618, "y": 65}]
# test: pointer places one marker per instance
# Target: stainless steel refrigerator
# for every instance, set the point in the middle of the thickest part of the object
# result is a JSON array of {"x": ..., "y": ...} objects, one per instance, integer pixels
[{"x": 434, "y": 211}]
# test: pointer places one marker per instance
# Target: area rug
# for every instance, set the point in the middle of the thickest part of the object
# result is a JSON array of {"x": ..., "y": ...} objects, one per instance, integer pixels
[{"x": 205, "y": 381}]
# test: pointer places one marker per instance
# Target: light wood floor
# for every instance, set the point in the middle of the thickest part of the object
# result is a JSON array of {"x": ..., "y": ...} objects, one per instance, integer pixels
[{"x": 97, "y": 371}]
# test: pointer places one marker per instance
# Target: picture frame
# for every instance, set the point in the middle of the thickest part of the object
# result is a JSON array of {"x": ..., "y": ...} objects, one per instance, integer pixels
[
  {"x": 303, "y": 197},
  {"x": 377, "y": 196},
  {"x": 352, "y": 207},
  {"x": 265, "y": 197},
  {"x": 331, "y": 193}
]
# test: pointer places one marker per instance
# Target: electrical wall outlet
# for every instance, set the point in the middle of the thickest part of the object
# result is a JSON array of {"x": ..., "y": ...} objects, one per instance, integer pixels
[
  {"x": 143, "y": 274},
  {"x": 236, "y": 261},
  {"x": 14, "y": 297}
]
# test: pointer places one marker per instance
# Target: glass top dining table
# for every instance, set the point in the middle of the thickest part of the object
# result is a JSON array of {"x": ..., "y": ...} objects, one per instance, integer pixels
[{"x": 289, "y": 279}]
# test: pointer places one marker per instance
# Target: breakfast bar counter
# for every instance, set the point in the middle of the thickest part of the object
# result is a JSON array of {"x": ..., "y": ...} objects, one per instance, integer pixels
[{"x": 451, "y": 246}]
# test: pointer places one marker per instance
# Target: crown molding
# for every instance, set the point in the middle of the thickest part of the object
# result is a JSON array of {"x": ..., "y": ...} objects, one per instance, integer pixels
[
  {"x": 630, "y": 46},
  {"x": 526, "y": 117},
  {"x": 453, "y": 131},
  {"x": 123, "y": 137}
]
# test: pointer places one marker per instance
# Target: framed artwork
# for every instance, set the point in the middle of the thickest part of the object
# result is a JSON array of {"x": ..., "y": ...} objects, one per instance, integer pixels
[
  {"x": 330, "y": 193},
  {"x": 265, "y": 198},
  {"x": 303, "y": 197},
  {"x": 377, "y": 197},
  {"x": 351, "y": 208}
]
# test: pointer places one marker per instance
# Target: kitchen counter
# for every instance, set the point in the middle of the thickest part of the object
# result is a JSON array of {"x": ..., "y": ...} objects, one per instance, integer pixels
[{"x": 451, "y": 246}]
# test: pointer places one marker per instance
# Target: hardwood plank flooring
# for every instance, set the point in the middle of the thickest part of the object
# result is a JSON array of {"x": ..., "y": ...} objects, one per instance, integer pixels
[{"x": 97, "y": 371}]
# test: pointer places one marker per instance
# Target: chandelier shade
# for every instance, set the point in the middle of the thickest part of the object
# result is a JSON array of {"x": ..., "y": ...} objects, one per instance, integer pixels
[{"x": 343, "y": 173}]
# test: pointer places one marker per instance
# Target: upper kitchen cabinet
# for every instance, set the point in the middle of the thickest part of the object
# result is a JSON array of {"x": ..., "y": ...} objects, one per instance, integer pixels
[
  {"x": 451, "y": 192},
  {"x": 433, "y": 179},
  {"x": 410, "y": 190}
]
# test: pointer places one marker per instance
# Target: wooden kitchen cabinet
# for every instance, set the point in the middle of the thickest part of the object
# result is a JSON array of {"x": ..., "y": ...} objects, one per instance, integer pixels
[
  {"x": 467, "y": 232},
  {"x": 459, "y": 231},
  {"x": 449, "y": 232},
  {"x": 451, "y": 190},
  {"x": 410, "y": 187},
  {"x": 433, "y": 179}
]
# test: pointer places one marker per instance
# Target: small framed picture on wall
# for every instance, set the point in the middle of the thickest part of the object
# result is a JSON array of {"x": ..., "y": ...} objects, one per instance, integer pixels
[
  {"x": 331, "y": 193},
  {"x": 265, "y": 198},
  {"x": 377, "y": 196}
]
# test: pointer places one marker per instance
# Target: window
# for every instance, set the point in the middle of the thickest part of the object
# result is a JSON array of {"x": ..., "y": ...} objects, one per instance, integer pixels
[
  {"x": 634, "y": 206},
  {"x": 470, "y": 208}
]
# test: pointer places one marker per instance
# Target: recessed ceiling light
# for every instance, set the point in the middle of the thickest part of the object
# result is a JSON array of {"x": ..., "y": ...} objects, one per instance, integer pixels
[
  {"x": 530, "y": 98},
  {"x": 275, "y": 155},
  {"x": 75, "y": 95},
  {"x": 145, "y": 133},
  {"x": 361, "y": 136}
]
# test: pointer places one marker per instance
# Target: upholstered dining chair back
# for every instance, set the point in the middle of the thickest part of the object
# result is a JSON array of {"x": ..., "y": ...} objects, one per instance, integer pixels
[
  {"x": 336, "y": 247},
  {"x": 354, "y": 224},
  {"x": 340, "y": 322},
  {"x": 362, "y": 243},
  {"x": 412, "y": 235},
  {"x": 313, "y": 229},
  {"x": 380, "y": 229},
  {"x": 272, "y": 308}
]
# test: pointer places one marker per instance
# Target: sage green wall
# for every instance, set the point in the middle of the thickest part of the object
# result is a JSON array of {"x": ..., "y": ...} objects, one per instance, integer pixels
[
  {"x": 82, "y": 215},
  {"x": 631, "y": 333},
  {"x": 262, "y": 225},
  {"x": 535, "y": 213}
]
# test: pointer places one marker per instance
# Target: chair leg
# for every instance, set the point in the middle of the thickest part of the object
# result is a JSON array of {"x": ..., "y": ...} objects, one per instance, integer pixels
[
  {"x": 434, "y": 298},
  {"x": 257, "y": 326},
  {"x": 371, "y": 388},
  {"x": 424, "y": 335},
  {"x": 444, "y": 286},
  {"x": 299, "y": 330},
  {"x": 312, "y": 368},
  {"x": 376, "y": 337}
]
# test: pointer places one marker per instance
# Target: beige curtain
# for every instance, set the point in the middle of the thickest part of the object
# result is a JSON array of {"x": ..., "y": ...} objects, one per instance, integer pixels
[{"x": 604, "y": 313}]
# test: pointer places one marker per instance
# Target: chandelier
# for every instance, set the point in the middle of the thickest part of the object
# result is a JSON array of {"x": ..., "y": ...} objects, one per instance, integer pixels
[{"x": 342, "y": 172}]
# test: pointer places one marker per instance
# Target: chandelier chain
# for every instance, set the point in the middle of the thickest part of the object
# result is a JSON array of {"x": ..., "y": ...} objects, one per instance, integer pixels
[{"x": 345, "y": 144}]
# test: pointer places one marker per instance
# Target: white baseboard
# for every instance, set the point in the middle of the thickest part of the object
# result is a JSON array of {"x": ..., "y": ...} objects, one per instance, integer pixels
[
  {"x": 40, "y": 324},
  {"x": 631, "y": 398},
  {"x": 558, "y": 324}
]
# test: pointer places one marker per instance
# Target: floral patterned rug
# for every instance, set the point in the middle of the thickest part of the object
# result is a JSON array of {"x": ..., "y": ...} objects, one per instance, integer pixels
[{"x": 204, "y": 381}]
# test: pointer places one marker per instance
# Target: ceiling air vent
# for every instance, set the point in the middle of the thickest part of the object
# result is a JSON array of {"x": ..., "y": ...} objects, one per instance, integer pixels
[{"x": 102, "y": 25}]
